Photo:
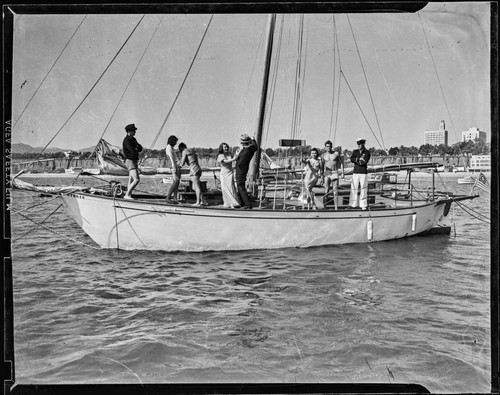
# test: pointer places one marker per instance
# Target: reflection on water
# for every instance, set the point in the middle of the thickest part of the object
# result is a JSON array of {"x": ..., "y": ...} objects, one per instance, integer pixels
[{"x": 414, "y": 310}]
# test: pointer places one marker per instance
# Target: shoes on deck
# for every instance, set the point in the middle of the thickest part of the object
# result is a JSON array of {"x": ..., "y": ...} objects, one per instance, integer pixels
[{"x": 127, "y": 197}]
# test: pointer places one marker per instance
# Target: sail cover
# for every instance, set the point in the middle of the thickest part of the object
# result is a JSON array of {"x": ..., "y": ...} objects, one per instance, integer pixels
[
  {"x": 16, "y": 183},
  {"x": 110, "y": 160}
]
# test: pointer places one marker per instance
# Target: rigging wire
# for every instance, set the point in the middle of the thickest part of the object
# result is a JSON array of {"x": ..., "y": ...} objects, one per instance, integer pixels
[
  {"x": 442, "y": 182},
  {"x": 297, "y": 93},
  {"x": 339, "y": 82},
  {"x": 366, "y": 80},
  {"x": 303, "y": 80},
  {"x": 261, "y": 40},
  {"x": 48, "y": 72},
  {"x": 334, "y": 31},
  {"x": 439, "y": 81},
  {"x": 130, "y": 80},
  {"x": 360, "y": 109},
  {"x": 92, "y": 88},
  {"x": 182, "y": 85}
]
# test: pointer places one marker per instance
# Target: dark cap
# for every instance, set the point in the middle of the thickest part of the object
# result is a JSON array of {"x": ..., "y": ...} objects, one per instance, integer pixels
[
  {"x": 360, "y": 141},
  {"x": 130, "y": 128}
]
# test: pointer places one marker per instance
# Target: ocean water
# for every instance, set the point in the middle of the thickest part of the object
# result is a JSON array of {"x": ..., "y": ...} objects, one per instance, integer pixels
[{"x": 415, "y": 310}]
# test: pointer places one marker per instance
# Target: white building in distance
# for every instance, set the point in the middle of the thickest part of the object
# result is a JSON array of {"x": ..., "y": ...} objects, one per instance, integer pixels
[
  {"x": 473, "y": 134},
  {"x": 480, "y": 163},
  {"x": 436, "y": 137}
]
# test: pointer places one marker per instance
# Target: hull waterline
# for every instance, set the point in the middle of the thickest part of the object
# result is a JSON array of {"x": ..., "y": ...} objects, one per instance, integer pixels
[{"x": 154, "y": 225}]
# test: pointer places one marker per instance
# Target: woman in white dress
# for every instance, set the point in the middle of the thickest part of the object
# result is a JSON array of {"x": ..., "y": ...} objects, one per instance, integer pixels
[{"x": 229, "y": 194}]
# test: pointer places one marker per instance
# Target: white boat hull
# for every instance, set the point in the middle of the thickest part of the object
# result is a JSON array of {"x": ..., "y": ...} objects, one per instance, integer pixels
[{"x": 130, "y": 225}]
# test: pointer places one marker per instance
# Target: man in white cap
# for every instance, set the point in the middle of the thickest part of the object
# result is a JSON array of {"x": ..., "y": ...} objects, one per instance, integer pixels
[
  {"x": 243, "y": 157},
  {"x": 359, "y": 182}
]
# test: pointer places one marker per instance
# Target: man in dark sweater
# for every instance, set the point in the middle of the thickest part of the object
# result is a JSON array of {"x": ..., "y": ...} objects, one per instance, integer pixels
[
  {"x": 360, "y": 158},
  {"x": 243, "y": 157},
  {"x": 131, "y": 149}
]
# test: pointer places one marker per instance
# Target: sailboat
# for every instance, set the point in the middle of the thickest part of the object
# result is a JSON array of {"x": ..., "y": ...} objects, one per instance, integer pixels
[{"x": 276, "y": 220}]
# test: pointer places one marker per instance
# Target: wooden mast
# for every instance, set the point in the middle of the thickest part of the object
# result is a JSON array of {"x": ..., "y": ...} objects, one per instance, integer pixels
[{"x": 254, "y": 169}]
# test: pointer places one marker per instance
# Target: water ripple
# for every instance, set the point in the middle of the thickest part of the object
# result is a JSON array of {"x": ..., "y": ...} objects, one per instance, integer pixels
[{"x": 416, "y": 307}]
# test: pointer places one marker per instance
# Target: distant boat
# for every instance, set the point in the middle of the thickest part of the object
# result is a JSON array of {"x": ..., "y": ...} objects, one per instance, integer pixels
[{"x": 466, "y": 180}]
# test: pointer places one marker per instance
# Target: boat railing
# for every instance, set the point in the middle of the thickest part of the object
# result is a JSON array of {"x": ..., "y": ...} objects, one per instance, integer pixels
[{"x": 282, "y": 188}]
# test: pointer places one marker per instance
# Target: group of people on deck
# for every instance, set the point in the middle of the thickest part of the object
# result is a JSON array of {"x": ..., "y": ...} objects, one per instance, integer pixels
[
  {"x": 328, "y": 167},
  {"x": 325, "y": 168},
  {"x": 232, "y": 196}
]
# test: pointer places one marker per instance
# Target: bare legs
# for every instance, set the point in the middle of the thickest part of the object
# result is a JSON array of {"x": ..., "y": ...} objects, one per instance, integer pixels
[
  {"x": 172, "y": 191},
  {"x": 133, "y": 180},
  {"x": 200, "y": 199}
]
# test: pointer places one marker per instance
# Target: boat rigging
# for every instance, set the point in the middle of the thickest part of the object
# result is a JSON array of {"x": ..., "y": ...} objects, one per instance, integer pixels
[{"x": 279, "y": 219}]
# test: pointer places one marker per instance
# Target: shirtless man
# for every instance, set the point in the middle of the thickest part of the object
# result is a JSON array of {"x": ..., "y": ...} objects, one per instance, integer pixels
[{"x": 331, "y": 164}]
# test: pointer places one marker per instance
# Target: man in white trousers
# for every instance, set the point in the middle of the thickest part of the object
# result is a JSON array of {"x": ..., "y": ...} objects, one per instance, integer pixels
[{"x": 359, "y": 182}]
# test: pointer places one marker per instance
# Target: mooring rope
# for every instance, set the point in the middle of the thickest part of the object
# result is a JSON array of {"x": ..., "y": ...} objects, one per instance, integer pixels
[
  {"x": 46, "y": 218},
  {"x": 59, "y": 234},
  {"x": 34, "y": 205},
  {"x": 473, "y": 213}
]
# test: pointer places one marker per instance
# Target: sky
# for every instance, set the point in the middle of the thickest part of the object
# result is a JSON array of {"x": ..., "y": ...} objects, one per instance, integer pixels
[{"x": 401, "y": 75}]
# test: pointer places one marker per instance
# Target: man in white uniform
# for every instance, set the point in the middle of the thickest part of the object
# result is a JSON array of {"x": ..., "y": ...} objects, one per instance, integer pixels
[{"x": 359, "y": 183}]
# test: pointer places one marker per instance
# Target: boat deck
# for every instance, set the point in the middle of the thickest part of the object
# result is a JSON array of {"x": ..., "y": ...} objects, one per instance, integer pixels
[{"x": 375, "y": 202}]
